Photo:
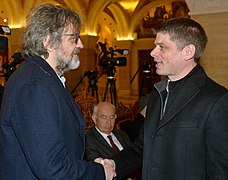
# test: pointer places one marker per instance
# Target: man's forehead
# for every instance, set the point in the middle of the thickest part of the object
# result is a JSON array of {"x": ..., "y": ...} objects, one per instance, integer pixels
[
  {"x": 70, "y": 29},
  {"x": 104, "y": 112},
  {"x": 162, "y": 37}
]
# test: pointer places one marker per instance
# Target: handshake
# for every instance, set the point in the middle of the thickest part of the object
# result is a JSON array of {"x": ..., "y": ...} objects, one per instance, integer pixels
[{"x": 109, "y": 167}]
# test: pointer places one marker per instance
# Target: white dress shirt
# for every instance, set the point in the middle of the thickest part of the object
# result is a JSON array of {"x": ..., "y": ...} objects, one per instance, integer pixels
[{"x": 115, "y": 140}]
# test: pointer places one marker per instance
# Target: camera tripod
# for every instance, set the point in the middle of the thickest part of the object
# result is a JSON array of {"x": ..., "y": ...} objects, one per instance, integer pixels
[
  {"x": 93, "y": 87},
  {"x": 146, "y": 79},
  {"x": 111, "y": 85},
  {"x": 92, "y": 76}
]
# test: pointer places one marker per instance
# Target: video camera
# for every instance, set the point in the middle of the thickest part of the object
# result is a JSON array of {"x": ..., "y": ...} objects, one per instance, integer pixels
[
  {"x": 91, "y": 74},
  {"x": 107, "y": 58},
  {"x": 5, "y": 30}
]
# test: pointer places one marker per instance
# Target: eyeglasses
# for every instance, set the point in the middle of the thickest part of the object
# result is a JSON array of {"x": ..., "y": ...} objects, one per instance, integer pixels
[
  {"x": 76, "y": 35},
  {"x": 111, "y": 117}
]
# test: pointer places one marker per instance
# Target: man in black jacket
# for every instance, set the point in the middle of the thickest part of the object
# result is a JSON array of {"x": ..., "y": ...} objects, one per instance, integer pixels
[{"x": 186, "y": 127}]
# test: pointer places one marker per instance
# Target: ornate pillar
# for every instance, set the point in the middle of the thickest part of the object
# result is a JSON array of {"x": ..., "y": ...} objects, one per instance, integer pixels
[{"x": 123, "y": 73}]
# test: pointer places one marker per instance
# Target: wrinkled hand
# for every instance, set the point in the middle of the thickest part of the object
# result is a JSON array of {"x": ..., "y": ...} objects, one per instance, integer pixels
[{"x": 109, "y": 167}]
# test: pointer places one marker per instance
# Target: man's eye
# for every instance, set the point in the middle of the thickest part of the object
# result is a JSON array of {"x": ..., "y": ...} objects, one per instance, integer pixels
[
  {"x": 73, "y": 39},
  {"x": 160, "y": 47},
  {"x": 112, "y": 117}
]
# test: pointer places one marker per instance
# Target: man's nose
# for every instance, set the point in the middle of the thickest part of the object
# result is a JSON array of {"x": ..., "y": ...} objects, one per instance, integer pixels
[
  {"x": 154, "y": 52},
  {"x": 108, "y": 121},
  {"x": 79, "y": 44}
]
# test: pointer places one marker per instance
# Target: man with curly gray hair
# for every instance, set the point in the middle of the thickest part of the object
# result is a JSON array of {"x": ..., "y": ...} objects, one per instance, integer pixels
[{"x": 41, "y": 127}]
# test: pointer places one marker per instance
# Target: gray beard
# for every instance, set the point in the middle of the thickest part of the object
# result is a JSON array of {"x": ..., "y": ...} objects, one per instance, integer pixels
[{"x": 65, "y": 65}]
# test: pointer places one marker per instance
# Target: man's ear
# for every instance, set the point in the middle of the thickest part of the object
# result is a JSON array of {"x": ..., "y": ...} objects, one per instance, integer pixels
[
  {"x": 94, "y": 118},
  {"x": 189, "y": 51},
  {"x": 46, "y": 43}
]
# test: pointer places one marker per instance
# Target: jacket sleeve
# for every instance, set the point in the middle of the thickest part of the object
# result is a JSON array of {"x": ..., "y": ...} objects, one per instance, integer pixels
[
  {"x": 91, "y": 152},
  {"x": 130, "y": 158},
  {"x": 39, "y": 133},
  {"x": 216, "y": 140}
]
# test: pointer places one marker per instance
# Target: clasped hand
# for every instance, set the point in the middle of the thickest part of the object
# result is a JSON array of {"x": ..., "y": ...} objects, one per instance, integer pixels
[{"x": 109, "y": 167}]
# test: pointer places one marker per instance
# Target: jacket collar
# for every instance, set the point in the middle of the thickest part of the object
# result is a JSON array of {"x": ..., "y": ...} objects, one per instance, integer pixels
[
  {"x": 47, "y": 69},
  {"x": 44, "y": 66},
  {"x": 188, "y": 91},
  {"x": 101, "y": 139}
]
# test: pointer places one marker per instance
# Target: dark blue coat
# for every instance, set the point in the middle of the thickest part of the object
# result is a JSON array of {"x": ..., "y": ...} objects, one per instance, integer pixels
[{"x": 41, "y": 128}]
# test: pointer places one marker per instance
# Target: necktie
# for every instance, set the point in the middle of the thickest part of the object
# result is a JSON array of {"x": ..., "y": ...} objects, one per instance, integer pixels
[
  {"x": 114, "y": 147},
  {"x": 166, "y": 99}
]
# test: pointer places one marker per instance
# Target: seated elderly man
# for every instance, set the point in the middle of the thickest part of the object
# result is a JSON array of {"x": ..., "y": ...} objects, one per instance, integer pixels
[{"x": 103, "y": 140}]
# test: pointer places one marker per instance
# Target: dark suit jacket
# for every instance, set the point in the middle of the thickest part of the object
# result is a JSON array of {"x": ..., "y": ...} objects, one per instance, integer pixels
[
  {"x": 190, "y": 142},
  {"x": 97, "y": 146},
  {"x": 41, "y": 128}
]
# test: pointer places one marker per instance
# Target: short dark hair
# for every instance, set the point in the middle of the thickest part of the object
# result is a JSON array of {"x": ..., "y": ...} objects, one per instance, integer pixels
[
  {"x": 47, "y": 20},
  {"x": 185, "y": 31}
]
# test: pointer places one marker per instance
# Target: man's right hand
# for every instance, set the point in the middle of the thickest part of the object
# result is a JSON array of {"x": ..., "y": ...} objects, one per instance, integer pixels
[{"x": 109, "y": 167}]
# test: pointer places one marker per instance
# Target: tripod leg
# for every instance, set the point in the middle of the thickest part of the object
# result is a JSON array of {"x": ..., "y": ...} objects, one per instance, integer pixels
[
  {"x": 115, "y": 94},
  {"x": 150, "y": 85},
  {"x": 93, "y": 94},
  {"x": 78, "y": 84},
  {"x": 111, "y": 92},
  {"x": 96, "y": 90},
  {"x": 141, "y": 88},
  {"x": 88, "y": 90},
  {"x": 106, "y": 90}
]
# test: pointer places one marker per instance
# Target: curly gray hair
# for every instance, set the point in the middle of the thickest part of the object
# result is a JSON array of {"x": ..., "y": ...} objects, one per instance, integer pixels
[{"x": 47, "y": 20}]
